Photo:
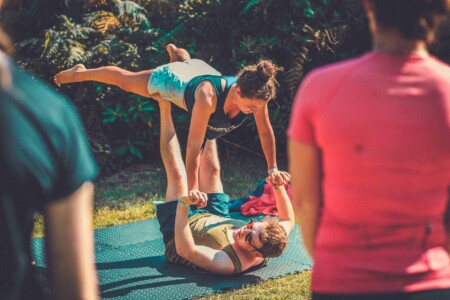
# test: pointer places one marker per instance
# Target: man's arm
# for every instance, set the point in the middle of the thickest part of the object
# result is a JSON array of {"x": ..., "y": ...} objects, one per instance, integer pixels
[
  {"x": 268, "y": 144},
  {"x": 209, "y": 259},
  {"x": 201, "y": 113},
  {"x": 284, "y": 206},
  {"x": 70, "y": 245},
  {"x": 304, "y": 165}
]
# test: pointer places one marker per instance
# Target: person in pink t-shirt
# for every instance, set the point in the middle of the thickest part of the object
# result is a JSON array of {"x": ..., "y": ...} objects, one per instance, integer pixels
[{"x": 369, "y": 155}]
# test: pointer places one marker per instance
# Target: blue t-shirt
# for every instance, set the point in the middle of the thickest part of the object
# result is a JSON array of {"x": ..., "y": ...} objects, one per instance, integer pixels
[{"x": 44, "y": 157}]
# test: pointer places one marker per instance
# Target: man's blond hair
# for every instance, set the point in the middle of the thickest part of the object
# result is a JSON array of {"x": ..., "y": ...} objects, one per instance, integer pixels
[{"x": 274, "y": 238}]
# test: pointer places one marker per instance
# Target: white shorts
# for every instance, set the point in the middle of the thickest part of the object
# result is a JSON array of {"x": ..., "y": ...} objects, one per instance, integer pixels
[{"x": 170, "y": 80}]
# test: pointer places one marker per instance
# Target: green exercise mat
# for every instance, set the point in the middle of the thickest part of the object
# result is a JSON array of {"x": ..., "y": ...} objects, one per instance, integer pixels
[{"x": 131, "y": 265}]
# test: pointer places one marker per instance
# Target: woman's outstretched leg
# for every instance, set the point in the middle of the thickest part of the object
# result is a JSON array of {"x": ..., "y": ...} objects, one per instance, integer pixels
[
  {"x": 133, "y": 82},
  {"x": 171, "y": 155}
]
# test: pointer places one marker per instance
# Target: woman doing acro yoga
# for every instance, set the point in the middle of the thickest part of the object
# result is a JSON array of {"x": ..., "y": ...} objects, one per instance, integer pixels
[{"x": 218, "y": 104}]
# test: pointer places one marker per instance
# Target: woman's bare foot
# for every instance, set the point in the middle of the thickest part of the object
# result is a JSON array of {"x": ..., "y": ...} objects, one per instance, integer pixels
[
  {"x": 177, "y": 54},
  {"x": 69, "y": 75},
  {"x": 172, "y": 49}
]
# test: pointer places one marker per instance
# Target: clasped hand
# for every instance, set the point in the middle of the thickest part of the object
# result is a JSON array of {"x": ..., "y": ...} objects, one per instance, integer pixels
[
  {"x": 277, "y": 178},
  {"x": 197, "y": 198}
]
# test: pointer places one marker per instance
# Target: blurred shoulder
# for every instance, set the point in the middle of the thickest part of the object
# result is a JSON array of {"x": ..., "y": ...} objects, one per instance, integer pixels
[
  {"x": 38, "y": 98},
  {"x": 335, "y": 70},
  {"x": 439, "y": 67}
]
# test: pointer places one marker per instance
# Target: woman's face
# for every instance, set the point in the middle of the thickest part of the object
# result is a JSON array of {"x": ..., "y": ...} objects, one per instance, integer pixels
[{"x": 250, "y": 106}]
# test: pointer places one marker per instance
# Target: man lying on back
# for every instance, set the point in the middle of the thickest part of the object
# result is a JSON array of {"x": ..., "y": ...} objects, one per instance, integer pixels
[{"x": 198, "y": 231}]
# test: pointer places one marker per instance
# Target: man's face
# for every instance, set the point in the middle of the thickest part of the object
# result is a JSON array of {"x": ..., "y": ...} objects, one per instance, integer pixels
[{"x": 247, "y": 237}]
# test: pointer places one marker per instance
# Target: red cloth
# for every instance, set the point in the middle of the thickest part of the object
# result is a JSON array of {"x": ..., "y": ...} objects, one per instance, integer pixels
[{"x": 265, "y": 204}]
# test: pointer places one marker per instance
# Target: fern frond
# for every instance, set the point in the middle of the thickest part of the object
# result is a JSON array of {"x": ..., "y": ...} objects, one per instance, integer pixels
[
  {"x": 171, "y": 33},
  {"x": 249, "y": 5},
  {"x": 130, "y": 12},
  {"x": 100, "y": 50},
  {"x": 248, "y": 43},
  {"x": 67, "y": 24},
  {"x": 90, "y": 18},
  {"x": 76, "y": 55},
  {"x": 51, "y": 43},
  {"x": 106, "y": 22},
  {"x": 94, "y": 3},
  {"x": 293, "y": 76},
  {"x": 79, "y": 32},
  {"x": 29, "y": 44}
]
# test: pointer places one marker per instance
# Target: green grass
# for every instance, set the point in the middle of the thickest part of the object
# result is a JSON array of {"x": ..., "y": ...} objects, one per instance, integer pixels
[
  {"x": 127, "y": 196},
  {"x": 295, "y": 287}
]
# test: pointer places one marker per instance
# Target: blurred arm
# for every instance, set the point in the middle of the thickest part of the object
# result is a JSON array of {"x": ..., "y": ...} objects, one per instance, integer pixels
[
  {"x": 447, "y": 220},
  {"x": 70, "y": 245},
  {"x": 304, "y": 165}
]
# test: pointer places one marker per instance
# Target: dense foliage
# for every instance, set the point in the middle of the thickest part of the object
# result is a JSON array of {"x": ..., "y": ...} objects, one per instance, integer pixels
[{"x": 296, "y": 34}]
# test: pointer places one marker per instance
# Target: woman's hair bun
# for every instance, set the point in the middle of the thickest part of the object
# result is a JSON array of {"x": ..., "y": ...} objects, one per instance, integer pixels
[
  {"x": 266, "y": 70},
  {"x": 258, "y": 81}
]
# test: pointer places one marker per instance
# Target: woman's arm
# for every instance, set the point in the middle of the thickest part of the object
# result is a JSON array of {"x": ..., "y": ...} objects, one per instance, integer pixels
[
  {"x": 203, "y": 108},
  {"x": 266, "y": 136},
  {"x": 268, "y": 144},
  {"x": 305, "y": 169}
]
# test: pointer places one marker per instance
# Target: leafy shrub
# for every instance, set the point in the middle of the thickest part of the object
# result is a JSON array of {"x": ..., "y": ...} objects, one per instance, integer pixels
[
  {"x": 297, "y": 34},
  {"x": 120, "y": 126}
]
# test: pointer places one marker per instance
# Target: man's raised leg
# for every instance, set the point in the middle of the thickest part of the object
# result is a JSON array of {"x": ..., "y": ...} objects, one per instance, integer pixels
[
  {"x": 209, "y": 178},
  {"x": 171, "y": 155}
]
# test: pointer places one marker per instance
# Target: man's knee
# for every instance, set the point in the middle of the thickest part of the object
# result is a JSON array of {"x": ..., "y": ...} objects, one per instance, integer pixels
[
  {"x": 212, "y": 168},
  {"x": 178, "y": 176}
]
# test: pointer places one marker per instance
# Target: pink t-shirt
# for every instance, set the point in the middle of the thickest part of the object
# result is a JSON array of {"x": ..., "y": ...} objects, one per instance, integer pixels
[{"x": 382, "y": 123}]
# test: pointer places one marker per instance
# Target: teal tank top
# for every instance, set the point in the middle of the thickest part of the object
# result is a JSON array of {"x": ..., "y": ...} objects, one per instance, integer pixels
[{"x": 219, "y": 124}]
